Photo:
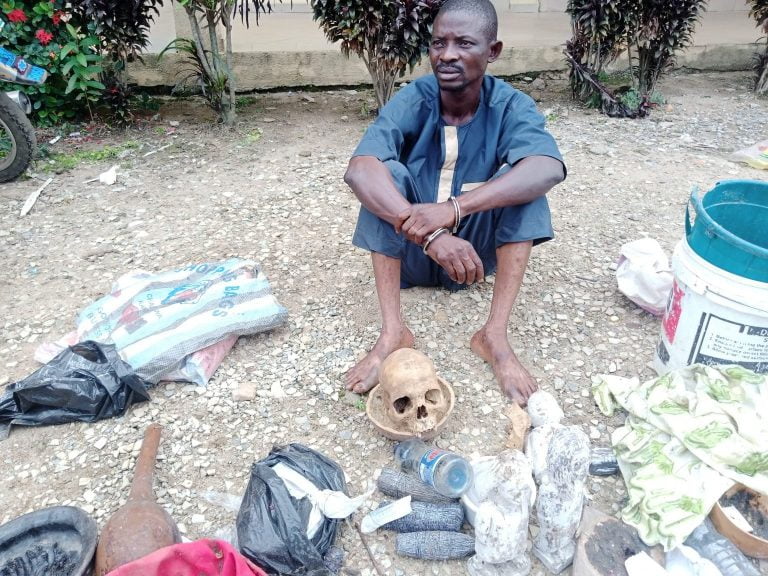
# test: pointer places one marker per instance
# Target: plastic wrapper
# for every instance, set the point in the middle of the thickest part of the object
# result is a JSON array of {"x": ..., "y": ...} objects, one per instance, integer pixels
[
  {"x": 197, "y": 368},
  {"x": 272, "y": 524},
  {"x": 503, "y": 496},
  {"x": 755, "y": 155},
  {"x": 385, "y": 513},
  {"x": 84, "y": 383},
  {"x": 644, "y": 275}
]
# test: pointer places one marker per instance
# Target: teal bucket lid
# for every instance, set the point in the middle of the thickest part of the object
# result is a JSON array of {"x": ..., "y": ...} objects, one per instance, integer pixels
[{"x": 731, "y": 227}]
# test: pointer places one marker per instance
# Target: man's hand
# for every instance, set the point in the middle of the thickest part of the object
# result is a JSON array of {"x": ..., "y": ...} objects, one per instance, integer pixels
[
  {"x": 420, "y": 220},
  {"x": 458, "y": 258}
]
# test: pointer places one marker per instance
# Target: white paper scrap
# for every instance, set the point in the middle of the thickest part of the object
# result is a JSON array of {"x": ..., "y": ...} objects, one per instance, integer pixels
[{"x": 377, "y": 518}]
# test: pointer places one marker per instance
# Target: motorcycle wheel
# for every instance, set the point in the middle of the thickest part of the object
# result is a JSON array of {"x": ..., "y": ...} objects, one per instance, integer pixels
[{"x": 17, "y": 139}]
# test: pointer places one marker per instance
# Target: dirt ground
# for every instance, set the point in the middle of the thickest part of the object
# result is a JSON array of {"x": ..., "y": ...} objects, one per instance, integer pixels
[{"x": 271, "y": 190}]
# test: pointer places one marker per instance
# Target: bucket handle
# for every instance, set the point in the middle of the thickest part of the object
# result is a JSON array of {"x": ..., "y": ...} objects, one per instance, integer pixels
[{"x": 695, "y": 199}]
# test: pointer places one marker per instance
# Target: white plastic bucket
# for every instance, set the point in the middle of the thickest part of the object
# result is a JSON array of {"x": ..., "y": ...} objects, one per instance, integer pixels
[{"x": 712, "y": 317}]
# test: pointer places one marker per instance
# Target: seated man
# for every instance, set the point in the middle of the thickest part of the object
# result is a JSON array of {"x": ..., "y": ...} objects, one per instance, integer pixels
[{"x": 451, "y": 177}]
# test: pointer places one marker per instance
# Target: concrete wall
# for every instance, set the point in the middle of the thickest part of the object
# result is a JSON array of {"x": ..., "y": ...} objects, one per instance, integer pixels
[{"x": 288, "y": 48}]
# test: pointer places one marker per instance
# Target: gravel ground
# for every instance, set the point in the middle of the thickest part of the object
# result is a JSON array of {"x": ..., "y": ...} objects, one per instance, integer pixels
[{"x": 271, "y": 190}]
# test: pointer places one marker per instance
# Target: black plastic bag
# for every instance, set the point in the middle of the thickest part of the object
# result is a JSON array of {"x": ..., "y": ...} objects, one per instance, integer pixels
[
  {"x": 272, "y": 525},
  {"x": 84, "y": 383}
]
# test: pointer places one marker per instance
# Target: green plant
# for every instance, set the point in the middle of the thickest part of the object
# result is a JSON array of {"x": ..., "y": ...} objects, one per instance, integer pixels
[
  {"x": 244, "y": 101},
  {"x": 664, "y": 27},
  {"x": 38, "y": 31},
  {"x": 122, "y": 27},
  {"x": 117, "y": 94},
  {"x": 390, "y": 36},
  {"x": 211, "y": 82},
  {"x": 651, "y": 32},
  {"x": 759, "y": 11},
  {"x": 83, "y": 69},
  {"x": 145, "y": 102},
  {"x": 253, "y": 136},
  {"x": 214, "y": 69}
]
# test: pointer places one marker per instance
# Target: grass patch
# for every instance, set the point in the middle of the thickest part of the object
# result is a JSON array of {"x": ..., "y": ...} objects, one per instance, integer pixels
[
  {"x": 253, "y": 103},
  {"x": 253, "y": 136},
  {"x": 62, "y": 161}
]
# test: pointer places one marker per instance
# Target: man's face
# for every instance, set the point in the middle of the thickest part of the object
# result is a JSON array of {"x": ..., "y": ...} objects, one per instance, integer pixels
[{"x": 460, "y": 51}]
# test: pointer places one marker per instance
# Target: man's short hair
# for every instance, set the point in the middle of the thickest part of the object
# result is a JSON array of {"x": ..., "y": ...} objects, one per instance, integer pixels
[{"x": 483, "y": 10}]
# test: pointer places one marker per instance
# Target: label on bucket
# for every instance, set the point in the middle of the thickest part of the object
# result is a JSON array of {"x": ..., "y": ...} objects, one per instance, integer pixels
[
  {"x": 723, "y": 341},
  {"x": 674, "y": 310}
]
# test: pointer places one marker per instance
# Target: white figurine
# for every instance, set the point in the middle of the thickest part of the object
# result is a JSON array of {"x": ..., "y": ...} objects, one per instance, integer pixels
[
  {"x": 561, "y": 498},
  {"x": 543, "y": 409},
  {"x": 506, "y": 492},
  {"x": 545, "y": 416}
]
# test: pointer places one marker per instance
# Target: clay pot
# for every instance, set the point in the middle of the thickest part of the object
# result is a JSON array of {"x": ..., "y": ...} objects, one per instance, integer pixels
[{"x": 747, "y": 542}]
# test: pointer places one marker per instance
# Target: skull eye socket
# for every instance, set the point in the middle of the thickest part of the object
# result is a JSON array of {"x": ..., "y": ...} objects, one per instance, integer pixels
[
  {"x": 402, "y": 404},
  {"x": 433, "y": 396}
]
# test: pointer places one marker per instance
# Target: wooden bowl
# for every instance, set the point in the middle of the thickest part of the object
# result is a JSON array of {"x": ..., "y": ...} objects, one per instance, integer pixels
[
  {"x": 374, "y": 408},
  {"x": 747, "y": 542}
]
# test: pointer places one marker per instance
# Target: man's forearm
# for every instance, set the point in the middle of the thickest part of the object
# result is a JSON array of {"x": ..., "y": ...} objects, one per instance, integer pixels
[
  {"x": 529, "y": 179},
  {"x": 372, "y": 184}
]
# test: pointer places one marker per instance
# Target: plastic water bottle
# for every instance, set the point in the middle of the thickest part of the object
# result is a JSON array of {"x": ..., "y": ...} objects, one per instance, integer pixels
[{"x": 448, "y": 473}]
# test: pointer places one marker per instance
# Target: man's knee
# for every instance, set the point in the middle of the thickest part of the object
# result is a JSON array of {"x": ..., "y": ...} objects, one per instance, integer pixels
[
  {"x": 523, "y": 223},
  {"x": 377, "y": 235}
]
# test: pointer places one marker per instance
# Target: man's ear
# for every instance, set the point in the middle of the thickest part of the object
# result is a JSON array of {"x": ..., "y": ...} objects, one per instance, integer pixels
[{"x": 496, "y": 47}]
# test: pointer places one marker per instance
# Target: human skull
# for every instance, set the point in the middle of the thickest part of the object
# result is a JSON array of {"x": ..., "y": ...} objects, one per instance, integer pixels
[{"x": 413, "y": 398}]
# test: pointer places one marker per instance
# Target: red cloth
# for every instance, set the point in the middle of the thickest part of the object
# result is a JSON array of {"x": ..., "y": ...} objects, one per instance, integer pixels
[{"x": 200, "y": 558}]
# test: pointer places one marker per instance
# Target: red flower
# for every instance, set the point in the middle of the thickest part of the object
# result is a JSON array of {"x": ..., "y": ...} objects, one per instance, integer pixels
[
  {"x": 17, "y": 15},
  {"x": 57, "y": 17},
  {"x": 43, "y": 36}
]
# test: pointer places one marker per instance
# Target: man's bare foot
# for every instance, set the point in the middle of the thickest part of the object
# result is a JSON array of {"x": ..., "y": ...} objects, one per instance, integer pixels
[
  {"x": 513, "y": 378},
  {"x": 365, "y": 374}
]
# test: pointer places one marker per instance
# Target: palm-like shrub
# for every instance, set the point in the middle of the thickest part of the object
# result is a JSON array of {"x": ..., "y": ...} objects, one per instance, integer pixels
[
  {"x": 651, "y": 32},
  {"x": 390, "y": 36},
  {"x": 214, "y": 69}
]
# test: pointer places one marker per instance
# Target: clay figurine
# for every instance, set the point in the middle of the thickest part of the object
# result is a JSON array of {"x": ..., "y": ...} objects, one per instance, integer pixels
[
  {"x": 561, "y": 498},
  {"x": 506, "y": 492},
  {"x": 545, "y": 414}
]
